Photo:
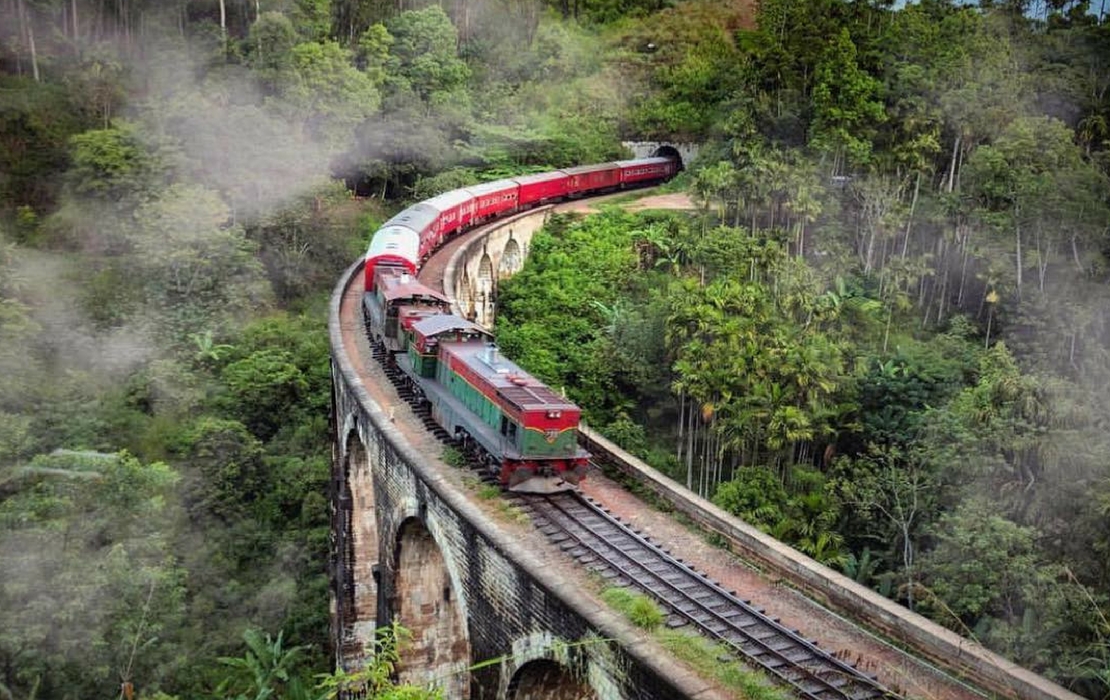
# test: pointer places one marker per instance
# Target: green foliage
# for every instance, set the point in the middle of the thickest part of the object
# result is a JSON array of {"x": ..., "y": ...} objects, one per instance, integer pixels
[
  {"x": 561, "y": 296},
  {"x": 705, "y": 656},
  {"x": 264, "y": 670},
  {"x": 264, "y": 388},
  {"x": 423, "y": 54},
  {"x": 804, "y": 513},
  {"x": 845, "y": 104},
  {"x": 638, "y": 608},
  {"x": 375, "y": 681},
  {"x": 454, "y": 457},
  {"x": 197, "y": 272},
  {"x": 113, "y": 164},
  {"x": 230, "y": 475},
  {"x": 307, "y": 242},
  {"x": 328, "y": 94},
  {"x": 36, "y": 122},
  {"x": 91, "y": 579}
]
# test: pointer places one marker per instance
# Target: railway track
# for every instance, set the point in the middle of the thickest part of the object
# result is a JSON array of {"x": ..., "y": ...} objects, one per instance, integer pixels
[{"x": 603, "y": 544}]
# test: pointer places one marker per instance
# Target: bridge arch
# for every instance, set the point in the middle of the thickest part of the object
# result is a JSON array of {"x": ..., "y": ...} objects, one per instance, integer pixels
[
  {"x": 511, "y": 259},
  {"x": 427, "y": 603},
  {"x": 545, "y": 679},
  {"x": 465, "y": 296},
  {"x": 361, "y": 546}
]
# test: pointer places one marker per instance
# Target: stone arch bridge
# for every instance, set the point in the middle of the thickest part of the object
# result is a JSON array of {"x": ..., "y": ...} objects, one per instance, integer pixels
[{"x": 410, "y": 545}]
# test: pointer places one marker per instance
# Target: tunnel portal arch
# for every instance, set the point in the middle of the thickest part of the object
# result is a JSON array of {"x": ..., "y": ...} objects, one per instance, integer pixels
[{"x": 666, "y": 151}]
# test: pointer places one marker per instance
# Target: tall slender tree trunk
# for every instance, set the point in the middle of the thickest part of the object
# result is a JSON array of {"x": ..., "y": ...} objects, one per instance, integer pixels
[
  {"x": 690, "y": 450},
  {"x": 28, "y": 31},
  {"x": 1017, "y": 247},
  {"x": 679, "y": 442},
  {"x": 223, "y": 24},
  {"x": 952, "y": 164},
  {"x": 909, "y": 219}
]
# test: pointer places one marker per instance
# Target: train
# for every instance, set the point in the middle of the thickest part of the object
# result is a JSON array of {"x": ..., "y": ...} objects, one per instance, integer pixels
[{"x": 524, "y": 432}]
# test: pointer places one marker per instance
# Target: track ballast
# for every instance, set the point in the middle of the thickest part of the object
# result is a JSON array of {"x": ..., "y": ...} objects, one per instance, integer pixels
[{"x": 603, "y": 544}]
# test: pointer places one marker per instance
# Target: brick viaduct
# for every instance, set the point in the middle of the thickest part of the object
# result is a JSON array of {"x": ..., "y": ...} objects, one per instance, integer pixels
[{"x": 411, "y": 546}]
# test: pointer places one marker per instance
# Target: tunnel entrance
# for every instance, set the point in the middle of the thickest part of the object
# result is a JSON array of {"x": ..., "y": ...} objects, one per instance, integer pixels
[
  {"x": 669, "y": 152},
  {"x": 427, "y": 605},
  {"x": 544, "y": 679}
]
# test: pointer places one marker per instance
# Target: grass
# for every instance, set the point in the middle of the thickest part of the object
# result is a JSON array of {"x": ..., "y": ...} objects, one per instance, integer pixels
[
  {"x": 714, "y": 661},
  {"x": 454, "y": 457},
  {"x": 492, "y": 495},
  {"x": 639, "y": 609},
  {"x": 708, "y": 659}
]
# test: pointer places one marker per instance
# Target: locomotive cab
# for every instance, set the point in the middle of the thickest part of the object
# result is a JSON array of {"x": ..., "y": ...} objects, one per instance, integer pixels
[{"x": 395, "y": 298}]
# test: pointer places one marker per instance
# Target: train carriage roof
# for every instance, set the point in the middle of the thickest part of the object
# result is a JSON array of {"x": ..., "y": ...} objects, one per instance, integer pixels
[
  {"x": 395, "y": 243},
  {"x": 583, "y": 169},
  {"x": 513, "y": 384},
  {"x": 539, "y": 177},
  {"x": 643, "y": 161},
  {"x": 491, "y": 187},
  {"x": 418, "y": 217},
  {"x": 447, "y": 200}
]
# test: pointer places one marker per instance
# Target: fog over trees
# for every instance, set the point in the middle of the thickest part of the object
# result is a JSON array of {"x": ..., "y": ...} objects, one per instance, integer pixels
[{"x": 884, "y": 337}]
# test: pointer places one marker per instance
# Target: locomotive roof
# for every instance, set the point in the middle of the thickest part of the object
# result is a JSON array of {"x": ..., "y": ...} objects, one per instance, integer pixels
[
  {"x": 491, "y": 187},
  {"x": 441, "y": 323},
  {"x": 407, "y": 290},
  {"x": 512, "y": 383}
]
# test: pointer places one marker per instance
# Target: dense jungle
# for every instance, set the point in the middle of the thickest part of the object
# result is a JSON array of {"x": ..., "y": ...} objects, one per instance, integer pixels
[{"x": 884, "y": 336}]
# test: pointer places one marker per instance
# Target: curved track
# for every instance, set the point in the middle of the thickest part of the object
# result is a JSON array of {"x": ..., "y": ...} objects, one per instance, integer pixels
[{"x": 603, "y": 544}]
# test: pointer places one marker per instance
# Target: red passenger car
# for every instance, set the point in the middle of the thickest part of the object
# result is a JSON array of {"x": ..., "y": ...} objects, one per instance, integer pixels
[
  {"x": 456, "y": 210},
  {"x": 645, "y": 170},
  {"x": 495, "y": 198},
  {"x": 542, "y": 187},
  {"x": 591, "y": 179}
]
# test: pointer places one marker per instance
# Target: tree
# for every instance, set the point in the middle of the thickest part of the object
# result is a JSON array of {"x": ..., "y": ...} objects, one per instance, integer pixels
[
  {"x": 114, "y": 164},
  {"x": 900, "y": 487},
  {"x": 269, "y": 49},
  {"x": 198, "y": 271},
  {"x": 846, "y": 106},
  {"x": 423, "y": 53},
  {"x": 329, "y": 96},
  {"x": 264, "y": 388},
  {"x": 1033, "y": 187}
]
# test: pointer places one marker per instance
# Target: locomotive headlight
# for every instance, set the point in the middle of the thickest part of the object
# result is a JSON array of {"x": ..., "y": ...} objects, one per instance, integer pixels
[{"x": 554, "y": 414}]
